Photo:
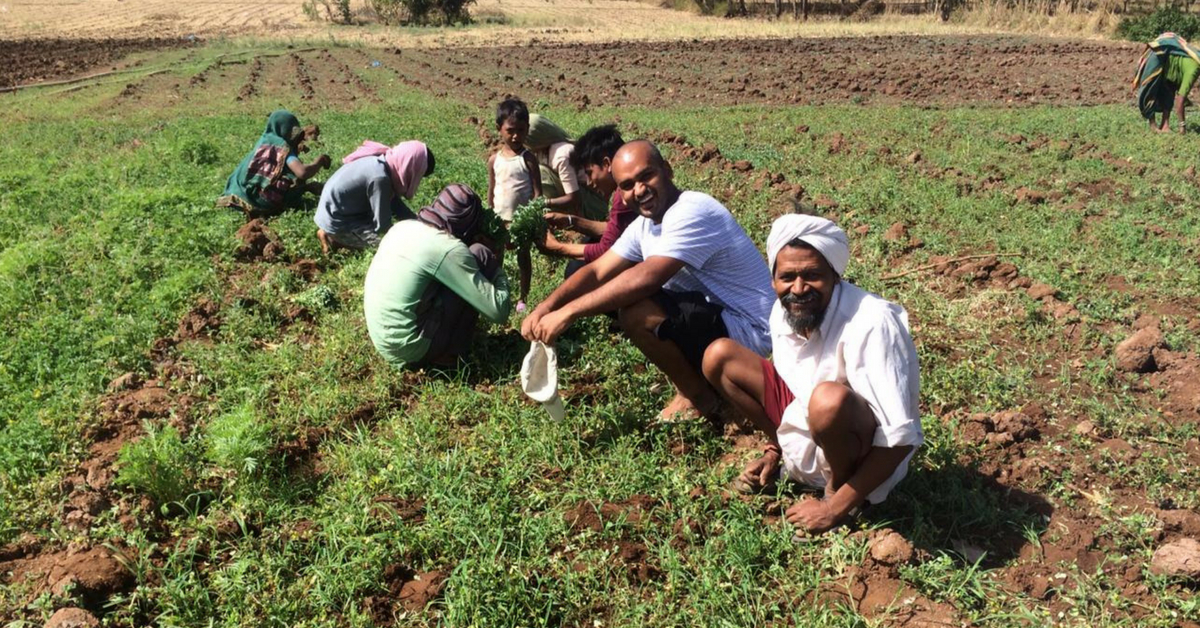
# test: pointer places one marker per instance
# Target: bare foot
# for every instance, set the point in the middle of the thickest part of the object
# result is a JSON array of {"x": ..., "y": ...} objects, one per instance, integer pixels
[
  {"x": 324, "y": 240},
  {"x": 683, "y": 409},
  {"x": 679, "y": 409}
]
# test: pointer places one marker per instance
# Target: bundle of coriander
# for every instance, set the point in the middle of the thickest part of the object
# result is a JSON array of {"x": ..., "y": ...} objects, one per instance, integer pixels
[{"x": 528, "y": 225}]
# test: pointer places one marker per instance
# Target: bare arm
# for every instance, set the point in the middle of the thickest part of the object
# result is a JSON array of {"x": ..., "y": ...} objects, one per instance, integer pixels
[
  {"x": 534, "y": 173},
  {"x": 821, "y": 515},
  {"x": 491, "y": 198},
  {"x": 569, "y": 201},
  {"x": 554, "y": 246},
  {"x": 587, "y": 280},
  {"x": 305, "y": 172},
  {"x": 1179, "y": 98},
  {"x": 637, "y": 283},
  {"x": 590, "y": 228}
]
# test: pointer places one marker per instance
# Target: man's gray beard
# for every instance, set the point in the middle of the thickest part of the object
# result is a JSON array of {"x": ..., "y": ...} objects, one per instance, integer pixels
[{"x": 804, "y": 323}]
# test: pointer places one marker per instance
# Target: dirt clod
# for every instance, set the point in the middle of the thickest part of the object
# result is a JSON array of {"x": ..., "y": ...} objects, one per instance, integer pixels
[
  {"x": 1017, "y": 424},
  {"x": 890, "y": 548},
  {"x": 125, "y": 382},
  {"x": 1032, "y": 197},
  {"x": 1039, "y": 291},
  {"x": 258, "y": 243},
  {"x": 898, "y": 232},
  {"x": 72, "y": 617},
  {"x": 1135, "y": 354},
  {"x": 199, "y": 322},
  {"x": 1179, "y": 558},
  {"x": 586, "y": 516}
]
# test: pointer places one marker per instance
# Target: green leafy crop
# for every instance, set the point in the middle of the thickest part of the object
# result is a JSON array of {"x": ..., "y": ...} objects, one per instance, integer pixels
[{"x": 527, "y": 223}]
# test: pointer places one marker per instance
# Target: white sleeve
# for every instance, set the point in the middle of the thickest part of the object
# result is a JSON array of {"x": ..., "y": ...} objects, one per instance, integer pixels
[
  {"x": 629, "y": 245},
  {"x": 882, "y": 367},
  {"x": 560, "y": 160}
]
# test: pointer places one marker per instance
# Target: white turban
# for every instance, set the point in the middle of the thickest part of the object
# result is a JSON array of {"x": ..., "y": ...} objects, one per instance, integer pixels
[{"x": 820, "y": 233}]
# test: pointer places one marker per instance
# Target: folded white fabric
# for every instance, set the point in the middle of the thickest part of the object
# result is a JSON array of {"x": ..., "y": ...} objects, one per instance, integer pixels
[{"x": 539, "y": 378}]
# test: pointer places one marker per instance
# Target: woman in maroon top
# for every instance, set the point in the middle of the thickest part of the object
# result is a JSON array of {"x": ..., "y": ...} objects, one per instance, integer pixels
[{"x": 593, "y": 156}]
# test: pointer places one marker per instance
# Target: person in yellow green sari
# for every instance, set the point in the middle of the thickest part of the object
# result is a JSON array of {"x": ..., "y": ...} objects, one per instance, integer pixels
[{"x": 1166, "y": 74}]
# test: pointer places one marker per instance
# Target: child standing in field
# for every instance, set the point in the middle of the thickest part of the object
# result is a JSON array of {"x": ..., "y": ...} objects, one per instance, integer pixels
[{"x": 513, "y": 178}]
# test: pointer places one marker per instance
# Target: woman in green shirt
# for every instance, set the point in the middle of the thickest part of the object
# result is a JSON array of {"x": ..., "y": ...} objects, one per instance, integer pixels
[
  {"x": 430, "y": 280},
  {"x": 1165, "y": 76}
]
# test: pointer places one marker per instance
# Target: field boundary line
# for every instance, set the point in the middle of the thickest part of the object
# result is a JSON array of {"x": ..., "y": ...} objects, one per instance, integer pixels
[
  {"x": 947, "y": 261},
  {"x": 80, "y": 79}
]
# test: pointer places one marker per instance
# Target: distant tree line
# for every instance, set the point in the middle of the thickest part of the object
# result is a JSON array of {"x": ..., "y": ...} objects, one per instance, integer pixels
[{"x": 417, "y": 12}]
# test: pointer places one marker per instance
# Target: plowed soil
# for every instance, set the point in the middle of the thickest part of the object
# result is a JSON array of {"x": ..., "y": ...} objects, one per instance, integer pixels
[
  {"x": 938, "y": 71},
  {"x": 36, "y": 60},
  {"x": 911, "y": 69}
]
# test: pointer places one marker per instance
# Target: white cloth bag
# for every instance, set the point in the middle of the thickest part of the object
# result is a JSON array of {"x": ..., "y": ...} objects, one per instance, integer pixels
[{"x": 539, "y": 378}]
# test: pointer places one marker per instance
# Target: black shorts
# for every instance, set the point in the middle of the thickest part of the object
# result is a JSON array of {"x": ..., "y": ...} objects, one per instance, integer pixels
[{"x": 693, "y": 323}]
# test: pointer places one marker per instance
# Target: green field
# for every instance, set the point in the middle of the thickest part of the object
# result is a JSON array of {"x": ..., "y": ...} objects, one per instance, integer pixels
[{"x": 295, "y": 474}]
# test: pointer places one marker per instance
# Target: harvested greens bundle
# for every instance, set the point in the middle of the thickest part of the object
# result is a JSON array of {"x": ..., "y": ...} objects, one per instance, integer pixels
[
  {"x": 528, "y": 225},
  {"x": 493, "y": 227}
]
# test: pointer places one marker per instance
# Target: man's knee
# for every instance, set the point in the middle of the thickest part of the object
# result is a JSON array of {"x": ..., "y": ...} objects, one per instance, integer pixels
[
  {"x": 717, "y": 358},
  {"x": 828, "y": 401},
  {"x": 642, "y": 316}
]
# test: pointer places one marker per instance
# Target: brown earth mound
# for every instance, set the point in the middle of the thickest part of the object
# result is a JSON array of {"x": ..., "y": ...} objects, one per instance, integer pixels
[
  {"x": 587, "y": 516},
  {"x": 876, "y": 591},
  {"x": 89, "y": 574},
  {"x": 407, "y": 591},
  {"x": 258, "y": 243},
  {"x": 199, "y": 322}
]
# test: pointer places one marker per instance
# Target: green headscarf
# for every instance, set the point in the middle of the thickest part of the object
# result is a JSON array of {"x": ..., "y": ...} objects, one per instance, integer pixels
[
  {"x": 543, "y": 133},
  {"x": 259, "y": 183}
]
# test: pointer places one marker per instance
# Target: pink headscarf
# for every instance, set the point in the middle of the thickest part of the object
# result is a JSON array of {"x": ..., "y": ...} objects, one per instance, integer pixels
[{"x": 406, "y": 163}]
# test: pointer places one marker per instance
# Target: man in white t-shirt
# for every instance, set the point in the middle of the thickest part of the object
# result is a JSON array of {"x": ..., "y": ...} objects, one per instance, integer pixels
[
  {"x": 682, "y": 275},
  {"x": 839, "y": 401}
]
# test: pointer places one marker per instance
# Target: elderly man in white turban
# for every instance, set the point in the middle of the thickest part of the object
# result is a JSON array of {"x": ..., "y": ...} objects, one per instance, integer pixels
[{"x": 839, "y": 401}]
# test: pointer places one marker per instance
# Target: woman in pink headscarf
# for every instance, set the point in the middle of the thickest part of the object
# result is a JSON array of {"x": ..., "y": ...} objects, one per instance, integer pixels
[{"x": 362, "y": 199}]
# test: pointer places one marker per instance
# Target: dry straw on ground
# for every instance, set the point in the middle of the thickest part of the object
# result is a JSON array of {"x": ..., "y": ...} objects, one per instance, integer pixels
[{"x": 500, "y": 23}]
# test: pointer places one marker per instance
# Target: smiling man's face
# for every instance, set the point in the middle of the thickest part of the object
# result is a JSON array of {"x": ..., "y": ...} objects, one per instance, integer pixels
[
  {"x": 644, "y": 179},
  {"x": 804, "y": 283}
]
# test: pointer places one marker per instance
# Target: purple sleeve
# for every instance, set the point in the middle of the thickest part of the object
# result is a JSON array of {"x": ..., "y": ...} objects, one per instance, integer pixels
[{"x": 618, "y": 219}]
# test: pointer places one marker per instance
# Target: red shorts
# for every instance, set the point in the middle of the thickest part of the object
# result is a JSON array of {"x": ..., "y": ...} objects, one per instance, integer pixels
[{"x": 776, "y": 394}]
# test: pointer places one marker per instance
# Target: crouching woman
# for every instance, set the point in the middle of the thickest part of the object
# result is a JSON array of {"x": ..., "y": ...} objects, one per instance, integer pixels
[{"x": 430, "y": 280}]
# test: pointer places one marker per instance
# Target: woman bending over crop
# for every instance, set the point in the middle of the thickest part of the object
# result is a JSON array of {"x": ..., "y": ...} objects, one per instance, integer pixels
[{"x": 271, "y": 177}]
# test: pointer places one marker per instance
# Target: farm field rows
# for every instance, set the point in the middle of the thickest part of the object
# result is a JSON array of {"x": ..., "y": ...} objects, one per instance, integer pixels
[{"x": 195, "y": 429}]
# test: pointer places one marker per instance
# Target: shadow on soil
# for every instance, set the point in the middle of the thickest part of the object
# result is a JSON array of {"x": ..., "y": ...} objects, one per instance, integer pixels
[{"x": 956, "y": 510}]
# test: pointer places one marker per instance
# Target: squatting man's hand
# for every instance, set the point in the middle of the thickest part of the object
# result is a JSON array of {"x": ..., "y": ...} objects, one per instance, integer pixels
[
  {"x": 760, "y": 472},
  {"x": 551, "y": 326},
  {"x": 813, "y": 515}
]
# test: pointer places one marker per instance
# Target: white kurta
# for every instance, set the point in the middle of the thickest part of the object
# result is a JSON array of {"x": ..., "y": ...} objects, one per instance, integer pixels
[{"x": 864, "y": 343}]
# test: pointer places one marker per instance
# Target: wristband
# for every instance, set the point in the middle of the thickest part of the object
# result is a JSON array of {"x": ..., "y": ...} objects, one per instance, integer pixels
[{"x": 773, "y": 448}]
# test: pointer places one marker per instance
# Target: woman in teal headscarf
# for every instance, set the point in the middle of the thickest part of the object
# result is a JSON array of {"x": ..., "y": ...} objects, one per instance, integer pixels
[
  {"x": 552, "y": 147},
  {"x": 1167, "y": 71},
  {"x": 272, "y": 177}
]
